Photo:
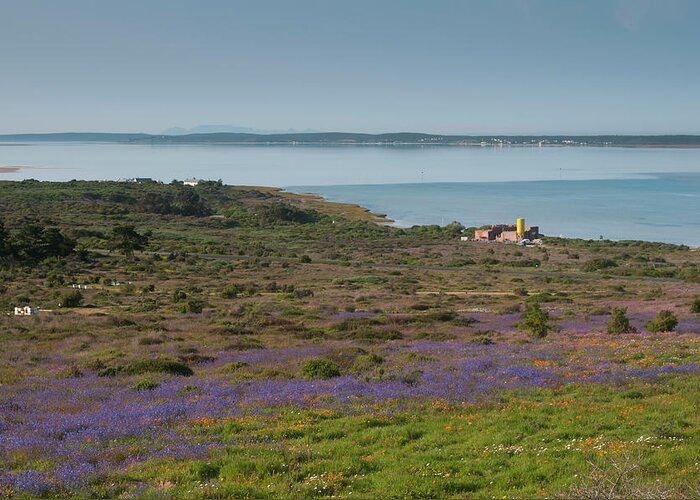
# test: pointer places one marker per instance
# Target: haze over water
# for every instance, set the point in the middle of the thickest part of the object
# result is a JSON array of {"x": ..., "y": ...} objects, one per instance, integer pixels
[{"x": 619, "y": 193}]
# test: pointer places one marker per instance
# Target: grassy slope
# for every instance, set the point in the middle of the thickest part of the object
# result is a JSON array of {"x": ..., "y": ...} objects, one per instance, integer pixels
[
  {"x": 527, "y": 445},
  {"x": 374, "y": 449}
]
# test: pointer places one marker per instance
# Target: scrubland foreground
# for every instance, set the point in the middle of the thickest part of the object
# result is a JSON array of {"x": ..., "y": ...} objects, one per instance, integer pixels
[{"x": 225, "y": 341}]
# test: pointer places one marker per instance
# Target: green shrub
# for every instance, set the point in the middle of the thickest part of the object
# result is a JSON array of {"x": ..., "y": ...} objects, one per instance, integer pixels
[
  {"x": 245, "y": 343},
  {"x": 523, "y": 263},
  {"x": 71, "y": 299},
  {"x": 442, "y": 315},
  {"x": 412, "y": 378},
  {"x": 536, "y": 322},
  {"x": 374, "y": 280},
  {"x": 598, "y": 264},
  {"x": 233, "y": 366},
  {"x": 320, "y": 368},
  {"x": 158, "y": 365},
  {"x": 619, "y": 322},
  {"x": 366, "y": 362},
  {"x": 695, "y": 306},
  {"x": 275, "y": 213},
  {"x": 193, "y": 306},
  {"x": 178, "y": 295},
  {"x": 70, "y": 372},
  {"x": 145, "y": 385},
  {"x": 665, "y": 321},
  {"x": 231, "y": 291},
  {"x": 540, "y": 298},
  {"x": 229, "y": 330},
  {"x": 110, "y": 371},
  {"x": 489, "y": 261},
  {"x": 482, "y": 340},
  {"x": 377, "y": 335}
]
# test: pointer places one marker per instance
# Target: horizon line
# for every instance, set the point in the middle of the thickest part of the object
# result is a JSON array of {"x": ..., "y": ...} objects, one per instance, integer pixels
[{"x": 549, "y": 134}]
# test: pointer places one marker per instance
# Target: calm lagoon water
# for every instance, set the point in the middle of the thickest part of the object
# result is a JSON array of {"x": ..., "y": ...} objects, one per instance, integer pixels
[
  {"x": 663, "y": 208},
  {"x": 620, "y": 193}
]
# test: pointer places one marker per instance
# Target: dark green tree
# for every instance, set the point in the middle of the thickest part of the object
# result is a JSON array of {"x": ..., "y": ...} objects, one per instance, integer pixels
[
  {"x": 536, "y": 322},
  {"x": 127, "y": 240},
  {"x": 33, "y": 243},
  {"x": 453, "y": 230},
  {"x": 619, "y": 322},
  {"x": 274, "y": 213},
  {"x": 188, "y": 202},
  {"x": 155, "y": 203},
  {"x": 4, "y": 242},
  {"x": 71, "y": 299}
]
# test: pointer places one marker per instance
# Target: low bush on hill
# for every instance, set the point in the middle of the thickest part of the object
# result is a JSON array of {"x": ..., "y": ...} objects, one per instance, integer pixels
[
  {"x": 664, "y": 321},
  {"x": 320, "y": 368}
]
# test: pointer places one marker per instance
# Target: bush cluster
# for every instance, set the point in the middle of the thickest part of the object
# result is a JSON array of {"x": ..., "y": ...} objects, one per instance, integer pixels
[{"x": 320, "y": 368}]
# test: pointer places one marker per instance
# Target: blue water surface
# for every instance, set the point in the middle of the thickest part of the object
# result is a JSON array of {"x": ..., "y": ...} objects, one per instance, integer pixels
[
  {"x": 665, "y": 207},
  {"x": 619, "y": 193}
]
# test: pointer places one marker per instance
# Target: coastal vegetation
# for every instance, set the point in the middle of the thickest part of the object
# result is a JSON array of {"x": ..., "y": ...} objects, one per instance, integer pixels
[{"x": 218, "y": 340}]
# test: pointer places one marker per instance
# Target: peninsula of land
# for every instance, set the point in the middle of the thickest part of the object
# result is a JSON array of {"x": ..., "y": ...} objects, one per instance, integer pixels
[{"x": 349, "y": 138}]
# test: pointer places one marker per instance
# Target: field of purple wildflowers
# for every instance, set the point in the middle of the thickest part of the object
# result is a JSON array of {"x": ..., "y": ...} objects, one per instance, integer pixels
[{"x": 75, "y": 436}]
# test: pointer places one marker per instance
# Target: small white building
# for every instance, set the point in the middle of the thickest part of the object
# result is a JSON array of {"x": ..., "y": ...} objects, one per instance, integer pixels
[
  {"x": 191, "y": 182},
  {"x": 26, "y": 311}
]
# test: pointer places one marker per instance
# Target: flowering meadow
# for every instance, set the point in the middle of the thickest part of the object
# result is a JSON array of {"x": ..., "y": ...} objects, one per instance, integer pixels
[
  {"x": 93, "y": 435},
  {"x": 273, "y": 359}
]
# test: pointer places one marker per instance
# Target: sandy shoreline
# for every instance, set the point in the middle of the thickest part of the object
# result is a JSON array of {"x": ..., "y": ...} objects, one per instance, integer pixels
[{"x": 9, "y": 169}]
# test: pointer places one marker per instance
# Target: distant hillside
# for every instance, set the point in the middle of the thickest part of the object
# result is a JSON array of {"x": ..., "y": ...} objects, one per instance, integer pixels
[
  {"x": 73, "y": 137},
  {"x": 228, "y": 129},
  {"x": 340, "y": 138}
]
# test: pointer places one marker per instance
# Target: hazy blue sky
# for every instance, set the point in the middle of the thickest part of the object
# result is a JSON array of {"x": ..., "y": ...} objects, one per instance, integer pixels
[{"x": 527, "y": 66}]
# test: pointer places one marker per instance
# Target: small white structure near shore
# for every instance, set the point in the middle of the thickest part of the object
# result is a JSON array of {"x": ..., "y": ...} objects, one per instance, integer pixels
[
  {"x": 190, "y": 182},
  {"x": 26, "y": 311}
]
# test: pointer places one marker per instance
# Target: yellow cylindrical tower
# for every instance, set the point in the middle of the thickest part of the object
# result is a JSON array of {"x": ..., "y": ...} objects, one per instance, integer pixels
[{"x": 520, "y": 227}]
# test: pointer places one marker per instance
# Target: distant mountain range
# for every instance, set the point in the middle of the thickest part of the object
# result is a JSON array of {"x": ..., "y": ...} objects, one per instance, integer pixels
[{"x": 346, "y": 138}]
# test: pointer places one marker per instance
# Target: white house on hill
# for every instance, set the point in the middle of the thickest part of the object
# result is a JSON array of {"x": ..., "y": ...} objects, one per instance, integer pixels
[
  {"x": 26, "y": 311},
  {"x": 190, "y": 182}
]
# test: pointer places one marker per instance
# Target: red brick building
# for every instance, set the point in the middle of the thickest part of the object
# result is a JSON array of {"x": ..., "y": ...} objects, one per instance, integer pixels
[{"x": 506, "y": 233}]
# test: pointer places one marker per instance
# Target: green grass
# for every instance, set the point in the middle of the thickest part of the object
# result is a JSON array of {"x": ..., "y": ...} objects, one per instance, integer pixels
[{"x": 524, "y": 445}]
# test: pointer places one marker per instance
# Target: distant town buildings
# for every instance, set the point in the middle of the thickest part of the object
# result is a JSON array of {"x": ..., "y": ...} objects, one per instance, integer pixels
[
  {"x": 139, "y": 180},
  {"x": 148, "y": 180}
]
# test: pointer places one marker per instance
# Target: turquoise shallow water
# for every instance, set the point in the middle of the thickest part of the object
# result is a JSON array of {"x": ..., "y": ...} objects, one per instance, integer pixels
[
  {"x": 662, "y": 208},
  {"x": 572, "y": 191}
]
